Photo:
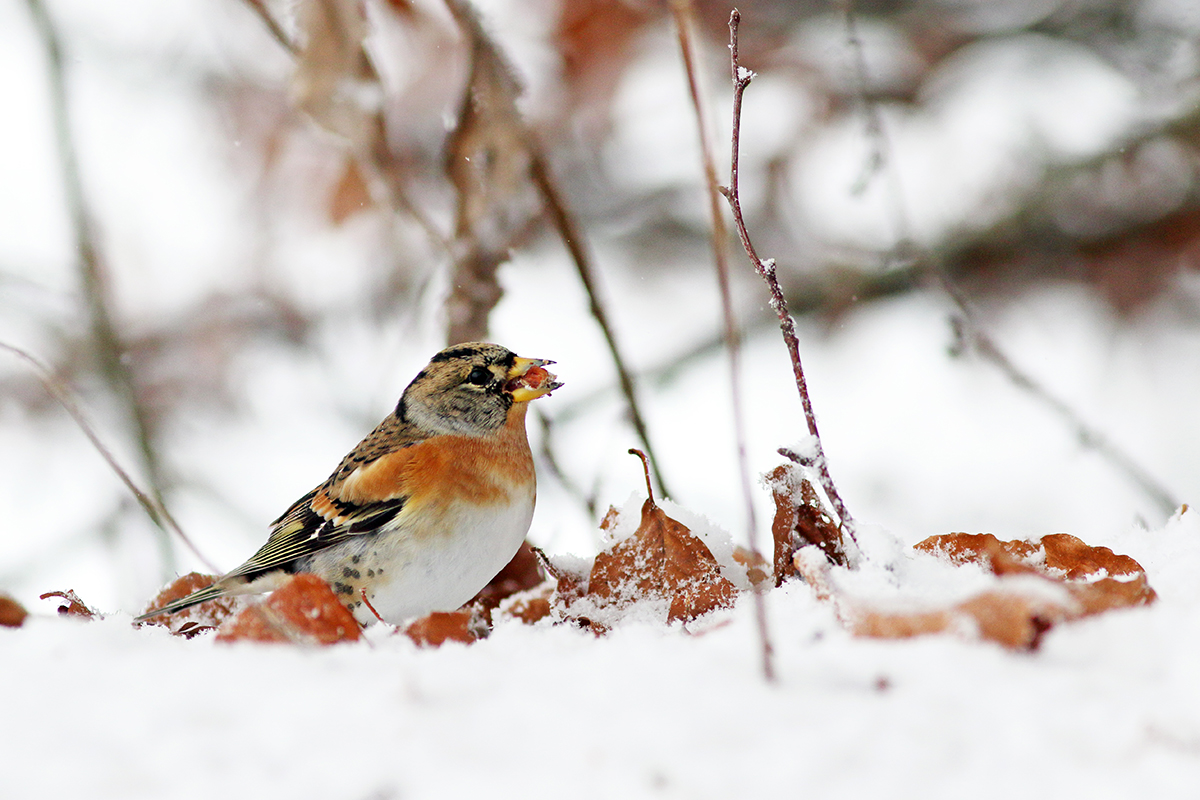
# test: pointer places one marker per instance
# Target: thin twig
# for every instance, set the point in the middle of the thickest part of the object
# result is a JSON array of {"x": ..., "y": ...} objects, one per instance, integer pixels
[
  {"x": 259, "y": 7},
  {"x": 967, "y": 329},
  {"x": 568, "y": 231},
  {"x": 107, "y": 341},
  {"x": 966, "y": 324},
  {"x": 766, "y": 270},
  {"x": 153, "y": 507},
  {"x": 633, "y": 451},
  {"x": 967, "y": 332},
  {"x": 684, "y": 14}
]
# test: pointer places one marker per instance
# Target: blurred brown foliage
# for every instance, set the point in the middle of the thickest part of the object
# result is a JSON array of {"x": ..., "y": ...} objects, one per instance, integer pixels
[
  {"x": 1106, "y": 221},
  {"x": 410, "y": 115}
]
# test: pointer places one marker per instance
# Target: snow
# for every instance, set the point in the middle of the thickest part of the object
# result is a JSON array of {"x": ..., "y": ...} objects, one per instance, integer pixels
[
  {"x": 918, "y": 441},
  {"x": 1106, "y": 708}
]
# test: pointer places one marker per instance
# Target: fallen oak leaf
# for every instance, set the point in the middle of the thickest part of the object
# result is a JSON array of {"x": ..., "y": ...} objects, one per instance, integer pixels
[
  {"x": 662, "y": 559},
  {"x": 197, "y": 619},
  {"x": 800, "y": 519},
  {"x": 12, "y": 613},
  {"x": 1072, "y": 580},
  {"x": 1097, "y": 578},
  {"x": 466, "y": 625},
  {"x": 1000, "y": 558},
  {"x": 302, "y": 611},
  {"x": 1080, "y": 560},
  {"x": 1008, "y": 617}
]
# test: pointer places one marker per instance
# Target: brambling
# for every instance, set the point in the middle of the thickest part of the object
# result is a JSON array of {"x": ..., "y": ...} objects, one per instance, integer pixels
[{"x": 427, "y": 508}]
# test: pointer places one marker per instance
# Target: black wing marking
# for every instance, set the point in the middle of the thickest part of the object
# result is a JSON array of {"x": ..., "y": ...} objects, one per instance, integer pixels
[{"x": 302, "y": 532}]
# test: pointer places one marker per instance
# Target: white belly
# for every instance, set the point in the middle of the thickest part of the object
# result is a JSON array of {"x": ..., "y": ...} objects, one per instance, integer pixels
[{"x": 440, "y": 571}]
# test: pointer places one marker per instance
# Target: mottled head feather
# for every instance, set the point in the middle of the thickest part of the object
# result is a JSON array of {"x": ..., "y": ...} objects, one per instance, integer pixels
[{"x": 444, "y": 398}]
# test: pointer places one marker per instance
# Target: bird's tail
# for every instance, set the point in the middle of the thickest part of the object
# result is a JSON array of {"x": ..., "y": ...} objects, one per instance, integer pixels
[{"x": 194, "y": 599}]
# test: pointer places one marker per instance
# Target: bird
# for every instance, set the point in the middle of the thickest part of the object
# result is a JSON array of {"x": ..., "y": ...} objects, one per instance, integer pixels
[{"x": 426, "y": 509}]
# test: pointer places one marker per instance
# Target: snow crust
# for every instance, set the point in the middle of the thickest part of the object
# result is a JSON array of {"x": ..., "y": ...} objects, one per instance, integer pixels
[{"x": 1106, "y": 708}]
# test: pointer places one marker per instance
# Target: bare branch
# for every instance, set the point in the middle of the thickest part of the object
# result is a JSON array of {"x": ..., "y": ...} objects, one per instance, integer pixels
[
  {"x": 153, "y": 507},
  {"x": 487, "y": 161},
  {"x": 968, "y": 333},
  {"x": 766, "y": 270},
  {"x": 568, "y": 231},
  {"x": 564, "y": 224},
  {"x": 967, "y": 327},
  {"x": 259, "y": 7},
  {"x": 107, "y": 342},
  {"x": 684, "y": 14}
]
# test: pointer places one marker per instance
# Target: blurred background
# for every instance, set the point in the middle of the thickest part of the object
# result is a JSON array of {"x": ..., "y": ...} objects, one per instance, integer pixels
[{"x": 236, "y": 229}]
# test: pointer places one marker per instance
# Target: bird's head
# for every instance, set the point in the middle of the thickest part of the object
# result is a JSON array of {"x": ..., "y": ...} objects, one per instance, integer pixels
[{"x": 470, "y": 388}]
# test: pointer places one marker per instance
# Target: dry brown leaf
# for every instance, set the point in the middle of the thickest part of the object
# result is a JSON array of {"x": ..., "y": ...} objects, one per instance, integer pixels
[
  {"x": 302, "y": 611},
  {"x": 1001, "y": 558},
  {"x": 1097, "y": 578},
  {"x": 531, "y": 605},
  {"x": 194, "y": 620},
  {"x": 662, "y": 559},
  {"x": 465, "y": 625},
  {"x": 758, "y": 571},
  {"x": 1090, "y": 579},
  {"x": 12, "y": 613},
  {"x": 1012, "y": 619},
  {"x": 800, "y": 520},
  {"x": 74, "y": 606}
]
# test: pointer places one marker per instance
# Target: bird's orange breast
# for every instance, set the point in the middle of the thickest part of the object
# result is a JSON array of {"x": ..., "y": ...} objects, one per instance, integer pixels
[{"x": 448, "y": 469}]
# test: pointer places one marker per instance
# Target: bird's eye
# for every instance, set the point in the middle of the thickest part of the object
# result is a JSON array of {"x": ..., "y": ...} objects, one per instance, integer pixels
[{"x": 479, "y": 376}]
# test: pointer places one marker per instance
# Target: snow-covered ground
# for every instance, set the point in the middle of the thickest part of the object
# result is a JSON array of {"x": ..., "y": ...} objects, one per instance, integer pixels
[
  {"x": 1105, "y": 708},
  {"x": 920, "y": 443}
]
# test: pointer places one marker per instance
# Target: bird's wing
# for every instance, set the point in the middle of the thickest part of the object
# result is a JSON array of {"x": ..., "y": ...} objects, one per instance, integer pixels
[{"x": 366, "y": 492}]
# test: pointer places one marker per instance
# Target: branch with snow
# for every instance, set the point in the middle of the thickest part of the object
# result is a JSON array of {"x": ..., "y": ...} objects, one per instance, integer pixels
[{"x": 766, "y": 270}]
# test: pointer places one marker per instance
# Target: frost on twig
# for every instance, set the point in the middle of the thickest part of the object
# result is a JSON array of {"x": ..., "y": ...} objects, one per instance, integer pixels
[{"x": 766, "y": 270}]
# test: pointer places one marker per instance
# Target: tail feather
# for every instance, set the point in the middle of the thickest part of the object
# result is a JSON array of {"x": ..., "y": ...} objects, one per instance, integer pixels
[{"x": 194, "y": 599}]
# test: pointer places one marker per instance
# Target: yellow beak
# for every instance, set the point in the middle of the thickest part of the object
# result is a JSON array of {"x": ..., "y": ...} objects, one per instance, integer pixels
[{"x": 545, "y": 381}]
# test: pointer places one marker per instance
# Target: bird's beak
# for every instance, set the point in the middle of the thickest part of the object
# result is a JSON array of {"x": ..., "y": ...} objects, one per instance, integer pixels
[{"x": 527, "y": 380}]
